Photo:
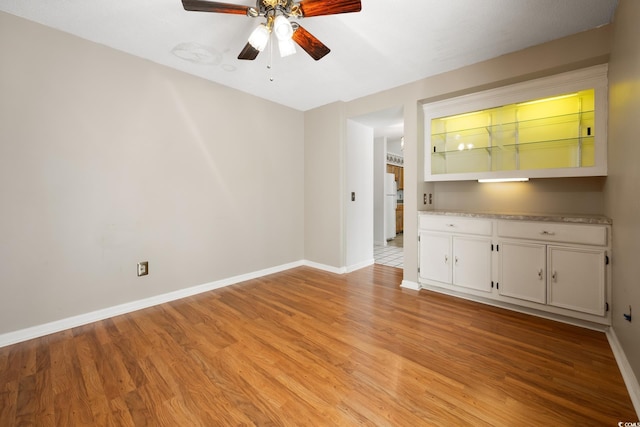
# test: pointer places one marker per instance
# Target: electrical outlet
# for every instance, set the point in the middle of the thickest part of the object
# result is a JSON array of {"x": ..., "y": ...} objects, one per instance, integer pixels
[{"x": 143, "y": 268}]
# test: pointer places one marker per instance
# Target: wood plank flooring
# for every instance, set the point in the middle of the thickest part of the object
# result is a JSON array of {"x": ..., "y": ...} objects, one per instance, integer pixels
[{"x": 306, "y": 347}]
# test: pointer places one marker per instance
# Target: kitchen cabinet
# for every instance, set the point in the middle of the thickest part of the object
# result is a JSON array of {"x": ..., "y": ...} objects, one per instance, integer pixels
[
  {"x": 559, "y": 267},
  {"x": 398, "y": 172},
  {"x": 549, "y": 127},
  {"x": 399, "y": 218},
  {"x": 456, "y": 253}
]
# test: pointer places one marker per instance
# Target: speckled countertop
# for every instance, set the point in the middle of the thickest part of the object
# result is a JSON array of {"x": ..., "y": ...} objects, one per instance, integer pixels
[{"x": 573, "y": 218}]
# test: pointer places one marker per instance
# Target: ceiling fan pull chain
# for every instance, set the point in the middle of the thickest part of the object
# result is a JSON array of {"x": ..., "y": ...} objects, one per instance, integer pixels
[{"x": 270, "y": 61}]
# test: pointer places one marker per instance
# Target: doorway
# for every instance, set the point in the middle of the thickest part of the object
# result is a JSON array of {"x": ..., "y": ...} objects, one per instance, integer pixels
[
  {"x": 391, "y": 251},
  {"x": 388, "y": 159}
]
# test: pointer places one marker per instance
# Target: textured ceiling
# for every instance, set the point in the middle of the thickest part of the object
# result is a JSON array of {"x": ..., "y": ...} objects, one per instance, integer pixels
[{"x": 388, "y": 44}]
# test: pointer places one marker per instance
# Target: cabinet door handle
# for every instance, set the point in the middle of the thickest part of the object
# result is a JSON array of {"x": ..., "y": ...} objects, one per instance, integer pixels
[
  {"x": 456, "y": 260},
  {"x": 450, "y": 225},
  {"x": 540, "y": 274},
  {"x": 554, "y": 276},
  {"x": 446, "y": 259},
  {"x": 547, "y": 233}
]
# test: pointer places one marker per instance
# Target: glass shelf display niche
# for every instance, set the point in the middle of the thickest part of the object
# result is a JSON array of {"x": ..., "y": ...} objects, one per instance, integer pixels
[{"x": 546, "y": 133}]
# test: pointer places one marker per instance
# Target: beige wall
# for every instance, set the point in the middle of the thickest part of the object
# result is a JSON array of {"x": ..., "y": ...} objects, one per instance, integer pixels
[
  {"x": 107, "y": 160},
  {"x": 550, "y": 196},
  {"x": 622, "y": 201},
  {"x": 324, "y": 185}
]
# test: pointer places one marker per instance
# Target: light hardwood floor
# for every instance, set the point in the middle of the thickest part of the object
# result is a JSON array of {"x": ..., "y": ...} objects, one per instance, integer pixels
[{"x": 305, "y": 347}]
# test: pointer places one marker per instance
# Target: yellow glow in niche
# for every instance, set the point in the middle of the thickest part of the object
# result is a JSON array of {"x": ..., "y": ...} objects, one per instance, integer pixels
[{"x": 547, "y": 133}]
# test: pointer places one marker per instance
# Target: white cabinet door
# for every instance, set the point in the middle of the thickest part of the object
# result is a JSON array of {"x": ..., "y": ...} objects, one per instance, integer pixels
[
  {"x": 523, "y": 271},
  {"x": 472, "y": 263},
  {"x": 577, "y": 279},
  {"x": 435, "y": 257}
]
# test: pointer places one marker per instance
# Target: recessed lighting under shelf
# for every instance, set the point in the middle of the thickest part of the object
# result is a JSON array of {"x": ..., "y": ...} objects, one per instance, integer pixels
[{"x": 503, "y": 180}]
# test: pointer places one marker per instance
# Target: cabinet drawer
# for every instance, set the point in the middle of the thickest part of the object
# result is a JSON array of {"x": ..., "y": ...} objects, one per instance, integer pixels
[
  {"x": 554, "y": 232},
  {"x": 454, "y": 224}
]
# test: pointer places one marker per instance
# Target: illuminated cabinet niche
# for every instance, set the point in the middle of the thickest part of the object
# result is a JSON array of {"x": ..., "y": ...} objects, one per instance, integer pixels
[{"x": 549, "y": 127}]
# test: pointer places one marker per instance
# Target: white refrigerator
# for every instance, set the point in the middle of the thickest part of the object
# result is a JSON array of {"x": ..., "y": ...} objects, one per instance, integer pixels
[{"x": 390, "y": 204}]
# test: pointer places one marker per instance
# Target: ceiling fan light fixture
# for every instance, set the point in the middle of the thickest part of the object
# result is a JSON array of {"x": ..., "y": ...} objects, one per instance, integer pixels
[
  {"x": 287, "y": 47},
  {"x": 282, "y": 28},
  {"x": 259, "y": 37},
  {"x": 278, "y": 14}
]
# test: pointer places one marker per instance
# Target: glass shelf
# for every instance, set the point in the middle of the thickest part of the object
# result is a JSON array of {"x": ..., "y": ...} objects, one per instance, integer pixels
[
  {"x": 516, "y": 146},
  {"x": 544, "y": 122},
  {"x": 559, "y": 153},
  {"x": 554, "y": 132}
]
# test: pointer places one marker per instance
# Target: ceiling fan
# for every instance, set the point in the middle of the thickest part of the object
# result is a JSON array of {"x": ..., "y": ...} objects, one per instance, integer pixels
[{"x": 277, "y": 14}]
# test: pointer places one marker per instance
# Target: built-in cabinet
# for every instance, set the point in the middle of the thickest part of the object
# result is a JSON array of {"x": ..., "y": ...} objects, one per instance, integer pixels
[
  {"x": 472, "y": 263},
  {"x": 560, "y": 267},
  {"x": 549, "y": 127},
  {"x": 576, "y": 279},
  {"x": 456, "y": 252},
  {"x": 523, "y": 271}
]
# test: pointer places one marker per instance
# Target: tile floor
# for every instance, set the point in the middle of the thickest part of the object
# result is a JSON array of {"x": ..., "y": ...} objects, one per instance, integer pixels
[{"x": 392, "y": 254}]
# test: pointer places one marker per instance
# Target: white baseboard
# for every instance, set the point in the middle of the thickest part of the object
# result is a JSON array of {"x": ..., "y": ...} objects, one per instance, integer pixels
[
  {"x": 407, "y": 284},
  {"x": 94, "y": 316},
  {"x": 629, "y": 377},
  {"x": 329, "y": 268},
  {"x": 358, "y": 266}
]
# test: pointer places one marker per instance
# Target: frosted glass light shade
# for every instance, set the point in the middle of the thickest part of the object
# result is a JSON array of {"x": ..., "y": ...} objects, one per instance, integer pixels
[
  {"x": 286, "y": 47},
  {"x": 259, "y": 37},
  {"x": 282, "y": 28}
]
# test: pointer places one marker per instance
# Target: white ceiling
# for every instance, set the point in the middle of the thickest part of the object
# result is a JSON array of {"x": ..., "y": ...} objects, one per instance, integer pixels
[
  {"x": 388, "y": 123},
  {"x": 387, "y": 44}
]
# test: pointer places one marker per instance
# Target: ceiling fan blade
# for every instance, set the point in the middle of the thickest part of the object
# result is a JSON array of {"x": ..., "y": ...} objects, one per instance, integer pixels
[
  {"x": 307, "y": 41},
  {"x": 329, "y": 7},
  {"x": 214, "y": 6},
  {"x": 248, "y": 52}
]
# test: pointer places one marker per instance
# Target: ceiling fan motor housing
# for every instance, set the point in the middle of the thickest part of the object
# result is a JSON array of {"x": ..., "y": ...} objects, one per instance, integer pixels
[{"x": 270, "y": 7}]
